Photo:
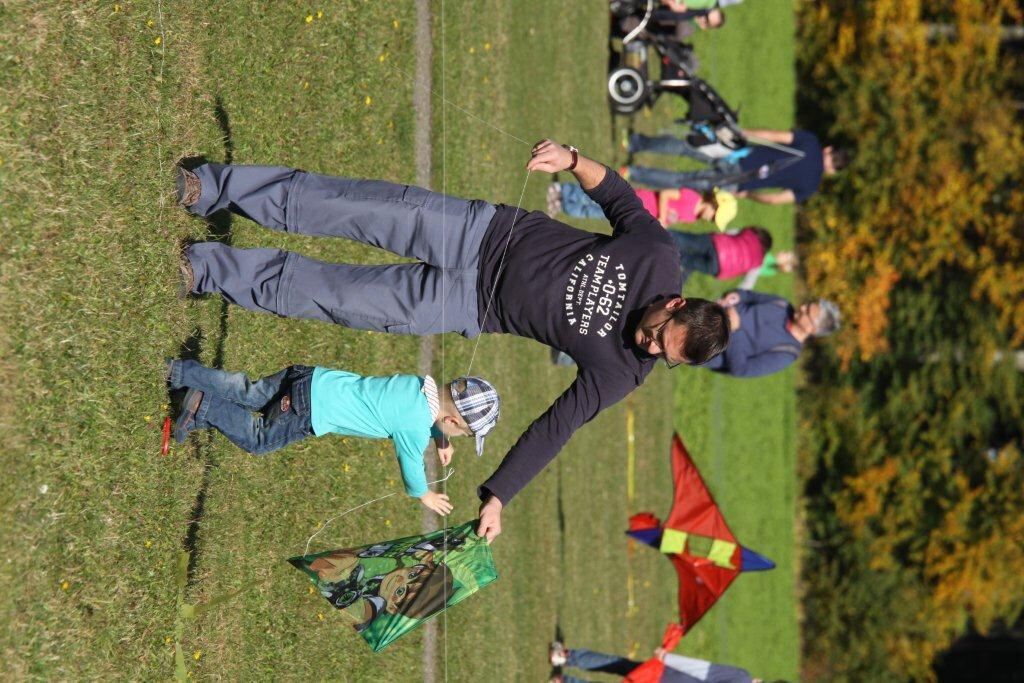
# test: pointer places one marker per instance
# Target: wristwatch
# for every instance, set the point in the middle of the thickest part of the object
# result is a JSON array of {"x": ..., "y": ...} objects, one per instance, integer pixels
[{"x": 575, "y": 156}]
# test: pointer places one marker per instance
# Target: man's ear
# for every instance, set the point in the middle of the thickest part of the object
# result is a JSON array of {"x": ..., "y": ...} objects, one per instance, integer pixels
[{"x": 675, "y": 304}]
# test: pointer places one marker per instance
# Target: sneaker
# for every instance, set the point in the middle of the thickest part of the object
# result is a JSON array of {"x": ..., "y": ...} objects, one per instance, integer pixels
[
  {"x": 187, "y": 283},
  {"x": 189, "y": 187},
  {"x": 557, "y": 654},
  {"x": 554, "y": 199},
  {"x": 186, "y": 421}
]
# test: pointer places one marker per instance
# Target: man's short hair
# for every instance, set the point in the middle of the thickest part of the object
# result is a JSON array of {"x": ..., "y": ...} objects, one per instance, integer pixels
[
  {"x": 829, "y": 318},
  {"x": 707, "y": 330},
  {"x": 721, "y": 17},
  {"x": 763, "y": 236},
  {"x": 840, "y": 158}
]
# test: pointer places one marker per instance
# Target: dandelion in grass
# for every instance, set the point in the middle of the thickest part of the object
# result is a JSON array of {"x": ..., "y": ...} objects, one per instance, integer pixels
[
  {"x": 157, "y": 40},
  {"x": 472, "y": 50},
  {"x": 382, "y": 57},
  {"x": 319, "y": 615},
  {"x": 168, "y": 640},
  {"x": 149, "y": 23},
  {"x": 487, "y": 46},
  {"x": 394, "y": 24},
  {"x": 309, "y": 18},
  {"x": 64, "y": 585},
  {"x": 369, "y": 100},
  {"x": 148, "y": 543},
  {"x": 197, "y": 655}
]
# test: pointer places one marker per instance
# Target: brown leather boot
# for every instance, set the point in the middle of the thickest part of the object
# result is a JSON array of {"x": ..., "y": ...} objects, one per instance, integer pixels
[
  {"x": 188, "y": 277},
  {"x": 189, "y": 187}
]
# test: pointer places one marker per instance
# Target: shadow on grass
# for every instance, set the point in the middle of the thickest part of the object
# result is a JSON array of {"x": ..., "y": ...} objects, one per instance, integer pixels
[
  {"x": 559, "y": 636},
  {"x": 200, "y": 446}
]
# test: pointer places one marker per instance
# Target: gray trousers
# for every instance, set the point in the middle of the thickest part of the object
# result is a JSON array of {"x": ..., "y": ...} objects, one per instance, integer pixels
[{"x": 437, "y": 294}]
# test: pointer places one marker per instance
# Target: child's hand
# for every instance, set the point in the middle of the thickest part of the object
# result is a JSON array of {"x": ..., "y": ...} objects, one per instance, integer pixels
[
  {"x": 438, "y": 502},
  {"x": 729, "y": 300},
  {"x": 445, "y": 454}
]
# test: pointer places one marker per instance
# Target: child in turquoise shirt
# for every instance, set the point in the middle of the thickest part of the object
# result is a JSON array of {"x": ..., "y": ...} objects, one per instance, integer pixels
[{"x": 266, "y": 414}]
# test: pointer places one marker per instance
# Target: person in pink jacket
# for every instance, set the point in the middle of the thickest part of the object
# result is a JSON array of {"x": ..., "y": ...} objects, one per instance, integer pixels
[
  {"x": 723, "y": 255},
  {"x": 681, "y": 205}
]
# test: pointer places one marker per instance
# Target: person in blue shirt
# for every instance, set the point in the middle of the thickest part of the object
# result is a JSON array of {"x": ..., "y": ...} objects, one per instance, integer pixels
[
  {"x": 260, "y": 416},
  {"x": 780, "y": 167},
  {"x": 678, "y": 668},
  {"x": 768, "y": 334}
]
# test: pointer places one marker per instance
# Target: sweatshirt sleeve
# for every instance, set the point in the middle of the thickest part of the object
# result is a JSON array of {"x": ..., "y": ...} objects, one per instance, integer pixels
[
  {"x": 585, "y": 398},
  {"x": 409, "y": 448},
  {"x": 623, "y": 208}
]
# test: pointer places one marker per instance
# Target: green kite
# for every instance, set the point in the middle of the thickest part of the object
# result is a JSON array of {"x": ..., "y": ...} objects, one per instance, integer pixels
[{"x": 390, "y": 588}]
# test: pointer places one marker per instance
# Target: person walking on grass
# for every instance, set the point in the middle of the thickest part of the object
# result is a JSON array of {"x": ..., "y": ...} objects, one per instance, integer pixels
[
  {"x": 263, "y": 415},
  {"x": 768, "y": 334},
  {"x": 678, "y": 668},
  {"x": 783, "y": 167},
  {"x": 681, "y": 205},
  {"x": 611, "y": 301}
]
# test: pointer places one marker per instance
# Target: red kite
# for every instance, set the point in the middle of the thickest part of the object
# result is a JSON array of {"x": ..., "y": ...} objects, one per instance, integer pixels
[
  {"x": 651, "y": 670},
  {"x": 697, "y": 540}
]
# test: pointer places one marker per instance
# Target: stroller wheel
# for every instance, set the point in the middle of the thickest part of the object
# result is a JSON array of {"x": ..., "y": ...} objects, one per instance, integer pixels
[{"x": 627, "y": 89}]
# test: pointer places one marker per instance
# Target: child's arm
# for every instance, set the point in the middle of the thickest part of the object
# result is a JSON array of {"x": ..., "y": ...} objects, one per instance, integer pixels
[
  {"x": 780, "y": 197},
  {"x": 664, "y": 197},
  {"x": 782, "y": 137}
]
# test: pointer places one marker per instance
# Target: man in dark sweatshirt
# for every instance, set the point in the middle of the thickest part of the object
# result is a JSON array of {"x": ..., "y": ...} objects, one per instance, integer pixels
[
  {"x": 611, "y": 302},
  {"x": 768, "y": 333}
]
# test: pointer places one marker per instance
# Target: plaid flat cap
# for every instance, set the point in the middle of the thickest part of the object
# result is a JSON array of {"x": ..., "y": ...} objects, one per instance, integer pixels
[{"x": 479, "y": 405}]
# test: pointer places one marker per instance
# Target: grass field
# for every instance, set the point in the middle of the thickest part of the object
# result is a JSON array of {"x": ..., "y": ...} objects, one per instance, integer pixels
[{"x": 101, "y": 100}]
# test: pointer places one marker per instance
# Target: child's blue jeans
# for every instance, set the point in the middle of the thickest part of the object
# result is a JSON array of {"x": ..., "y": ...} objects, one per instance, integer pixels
[
  {"x": 575, "y": 202},
  {"x": 588, "y": 660},
  {"x": 249, "y": 413},
  {"x": 696, "y": 251}
]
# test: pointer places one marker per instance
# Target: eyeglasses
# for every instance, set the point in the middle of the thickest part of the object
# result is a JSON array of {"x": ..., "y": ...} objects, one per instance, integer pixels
[{"x": 658, "y": 335}]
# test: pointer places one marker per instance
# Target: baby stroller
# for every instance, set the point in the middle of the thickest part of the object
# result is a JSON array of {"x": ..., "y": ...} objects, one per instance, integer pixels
[{"x": 630, "y": 86}]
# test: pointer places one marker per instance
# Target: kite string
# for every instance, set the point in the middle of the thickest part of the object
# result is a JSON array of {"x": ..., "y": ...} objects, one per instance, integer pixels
[
  {"x": 444, "y": 253},
  {"x": 451, "y": 471},
  {"x": 501, "y": 265}
]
